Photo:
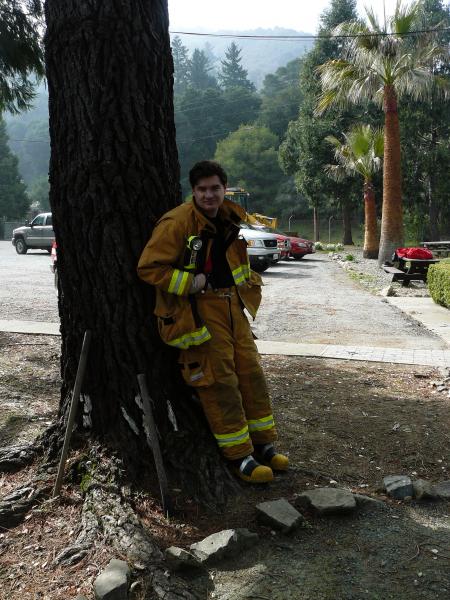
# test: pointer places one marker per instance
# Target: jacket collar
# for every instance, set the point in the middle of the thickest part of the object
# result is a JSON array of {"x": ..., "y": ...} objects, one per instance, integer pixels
[{"x": 230, "y": 212}]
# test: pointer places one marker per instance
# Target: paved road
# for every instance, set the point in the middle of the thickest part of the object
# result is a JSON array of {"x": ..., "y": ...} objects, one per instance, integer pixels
[
  {"x": 309, "y": 301},
  {"x": 315, "y": 301}
]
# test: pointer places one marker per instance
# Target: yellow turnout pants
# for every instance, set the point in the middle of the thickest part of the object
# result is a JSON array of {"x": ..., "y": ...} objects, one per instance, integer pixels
[{"x": 227, "y": 375}]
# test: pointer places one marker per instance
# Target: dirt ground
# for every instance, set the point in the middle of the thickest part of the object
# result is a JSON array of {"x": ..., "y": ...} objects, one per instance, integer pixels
[{"x": 343, "y": 423}]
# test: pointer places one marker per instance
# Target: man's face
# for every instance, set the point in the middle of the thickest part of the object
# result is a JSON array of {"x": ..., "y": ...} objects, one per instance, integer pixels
[{"x": 209, "y": 193}]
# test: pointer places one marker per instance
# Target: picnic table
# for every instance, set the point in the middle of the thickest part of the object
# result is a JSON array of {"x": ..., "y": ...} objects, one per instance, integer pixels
[
  {"x": 439, "y": 248},
  {"x": 410, "y": 269}
]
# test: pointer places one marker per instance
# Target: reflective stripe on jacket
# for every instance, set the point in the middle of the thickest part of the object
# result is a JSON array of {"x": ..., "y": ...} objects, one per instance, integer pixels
[{"x": 163, "y": 264}]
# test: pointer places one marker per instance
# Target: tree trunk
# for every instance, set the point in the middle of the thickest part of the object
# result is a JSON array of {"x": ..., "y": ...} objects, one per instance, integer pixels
[
  {"x": 433, "y": 208},
  {"x": 347, "y": 238},
  {"x": 316, "y": 224},
  {"x": 113, "y": 172},
  {"x": 370, "y": 222},
  {"x": 392, "y": 215}
]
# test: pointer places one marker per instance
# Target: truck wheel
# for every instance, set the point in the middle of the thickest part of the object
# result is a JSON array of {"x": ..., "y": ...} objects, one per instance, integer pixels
[{"x": 21, "y": 247}]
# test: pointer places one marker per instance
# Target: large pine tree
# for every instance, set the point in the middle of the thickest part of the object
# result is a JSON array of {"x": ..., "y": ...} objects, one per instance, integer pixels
[
  {"x": 232, "y": 74},
  {"x": 14, "y": 201},
  {"x": 200, "y": 77},
  {"x": 113, "y": 173},
  {"x": 181, "y": 65}
]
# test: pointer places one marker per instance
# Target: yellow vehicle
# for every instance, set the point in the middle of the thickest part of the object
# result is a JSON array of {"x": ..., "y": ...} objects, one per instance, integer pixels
[{"x": 241, "y": 197}]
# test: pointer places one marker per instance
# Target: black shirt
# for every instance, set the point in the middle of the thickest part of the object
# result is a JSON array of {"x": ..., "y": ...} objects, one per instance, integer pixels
[{"x": 221, "y": 276}]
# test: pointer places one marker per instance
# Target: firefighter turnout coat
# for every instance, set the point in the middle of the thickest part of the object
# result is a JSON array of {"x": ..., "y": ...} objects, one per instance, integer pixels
[{"x": 217, "y": 353}]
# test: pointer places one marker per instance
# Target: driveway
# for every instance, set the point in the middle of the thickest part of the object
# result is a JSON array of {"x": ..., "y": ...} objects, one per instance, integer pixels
[
  {"x": 307, "y": 301},
  {"x": 315, "y": 301}
]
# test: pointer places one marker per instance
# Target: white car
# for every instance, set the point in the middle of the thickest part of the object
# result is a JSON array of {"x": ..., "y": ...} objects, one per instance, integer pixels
[{"x": 262, "y": 247}]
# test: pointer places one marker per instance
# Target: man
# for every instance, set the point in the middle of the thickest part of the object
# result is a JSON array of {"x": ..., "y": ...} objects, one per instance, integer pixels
[{"x": 198, "y": 263}]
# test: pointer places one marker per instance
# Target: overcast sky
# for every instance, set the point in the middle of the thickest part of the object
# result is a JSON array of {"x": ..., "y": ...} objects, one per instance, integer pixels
[{"x": 302, "y": 15}]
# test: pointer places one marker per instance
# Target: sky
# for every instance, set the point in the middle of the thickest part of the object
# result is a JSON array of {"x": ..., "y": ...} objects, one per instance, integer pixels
[{"x": 301, "y": 15}]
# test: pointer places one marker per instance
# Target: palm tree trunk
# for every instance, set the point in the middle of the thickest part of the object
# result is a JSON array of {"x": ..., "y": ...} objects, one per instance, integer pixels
[
  {"x": 392, "y": 217},
  {"x": 370, "y": 222},
  {"x": 316, "y": 224}
]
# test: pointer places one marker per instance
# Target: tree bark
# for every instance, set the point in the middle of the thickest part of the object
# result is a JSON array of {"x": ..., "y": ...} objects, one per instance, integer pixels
[
  {"x": 433, "y": 207},
  {"x": 370, "y": 222},
  {"x": 113, "y": 172},
  {"x": 392, "y": 212},
  {"x": 347, "y": 238}
]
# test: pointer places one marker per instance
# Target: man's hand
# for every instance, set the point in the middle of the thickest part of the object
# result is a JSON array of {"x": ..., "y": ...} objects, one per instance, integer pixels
[{"x": 198, "y": 283}]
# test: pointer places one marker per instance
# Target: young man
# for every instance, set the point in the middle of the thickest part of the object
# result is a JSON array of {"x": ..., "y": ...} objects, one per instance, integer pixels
[{"x": 198, "y": 263}]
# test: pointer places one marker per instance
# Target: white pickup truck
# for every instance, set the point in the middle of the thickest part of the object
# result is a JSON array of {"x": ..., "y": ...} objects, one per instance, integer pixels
[
  {"x": 37, "y": 234},
  {"x": 262, "y": 247}
]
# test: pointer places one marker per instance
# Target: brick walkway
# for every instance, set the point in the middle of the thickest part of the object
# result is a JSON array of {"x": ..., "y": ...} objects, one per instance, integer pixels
[{"x": 431, "y": 358}]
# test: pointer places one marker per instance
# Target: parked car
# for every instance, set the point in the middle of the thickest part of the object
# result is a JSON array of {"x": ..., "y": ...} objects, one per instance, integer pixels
[
  {"x": 284, "y": 242},
  {"x": 298, "y": 247},
  {"x": 262, "y": 247},
  {"x": 38, "y": 234}
]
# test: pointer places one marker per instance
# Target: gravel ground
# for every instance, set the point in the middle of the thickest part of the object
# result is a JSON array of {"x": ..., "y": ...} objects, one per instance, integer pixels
[
  {"x": 312, "y": 300},
  {"x": 315, "y": 301},
  {"x": 27, "y": 292}
]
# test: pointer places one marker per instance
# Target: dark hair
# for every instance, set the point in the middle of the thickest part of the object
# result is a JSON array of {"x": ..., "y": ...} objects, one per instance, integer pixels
[{"x": 206, "y": 168}]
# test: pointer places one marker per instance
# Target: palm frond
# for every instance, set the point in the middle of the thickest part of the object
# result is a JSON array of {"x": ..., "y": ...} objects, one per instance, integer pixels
[{"x": 405, "y": 17}]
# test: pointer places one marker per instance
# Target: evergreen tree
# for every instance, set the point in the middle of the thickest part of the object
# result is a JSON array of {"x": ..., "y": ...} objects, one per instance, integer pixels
[
  {"x": 14, "y": 202},
  {"x": 21, "y": 55},
  {"x": 200, "y": 77},
  {"x": 181, "y": 64},
  {"x": 232, "y": 74}
]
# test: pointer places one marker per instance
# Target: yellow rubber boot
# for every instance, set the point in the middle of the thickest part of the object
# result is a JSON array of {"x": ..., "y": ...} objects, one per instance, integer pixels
[
  {"x": 251, "y": 471},
  {"x": 276, "y": 461}
]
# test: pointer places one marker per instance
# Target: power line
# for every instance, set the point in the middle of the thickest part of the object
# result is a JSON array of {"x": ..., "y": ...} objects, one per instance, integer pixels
[{"x": 307, "y": 37}]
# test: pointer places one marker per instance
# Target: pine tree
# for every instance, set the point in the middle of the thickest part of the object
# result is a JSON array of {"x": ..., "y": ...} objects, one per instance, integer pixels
[
  {"x": 232, "y": 74},
  {"x": 181, "y": 64},
  {"x": 14, "y": 202},
  {"x": 200, "y": 77},
  {"x": 21, "y": 55}
]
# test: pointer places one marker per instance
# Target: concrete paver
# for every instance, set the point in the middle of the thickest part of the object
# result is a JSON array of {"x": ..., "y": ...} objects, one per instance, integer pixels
[{"x": 432, "y": 316}]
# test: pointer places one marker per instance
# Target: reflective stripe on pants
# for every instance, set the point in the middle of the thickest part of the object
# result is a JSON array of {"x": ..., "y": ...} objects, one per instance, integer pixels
[{"x": 235, "y": 398}]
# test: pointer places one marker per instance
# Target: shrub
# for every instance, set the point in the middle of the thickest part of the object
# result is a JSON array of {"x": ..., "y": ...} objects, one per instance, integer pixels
[
  {"x": 339, "y": 247},
  {"x": 439, "y": 282},
  {"x": 318, "y": 246},
  {"x": 331, "y": 247},
  {"x": 349, "y": 257}
]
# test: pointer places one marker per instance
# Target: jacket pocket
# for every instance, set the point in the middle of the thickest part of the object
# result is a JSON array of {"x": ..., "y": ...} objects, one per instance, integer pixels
[
  {"x": 251, "y": 293},
  {"x": 196, "y": 368},
  {"x": 180, "y": 330}
]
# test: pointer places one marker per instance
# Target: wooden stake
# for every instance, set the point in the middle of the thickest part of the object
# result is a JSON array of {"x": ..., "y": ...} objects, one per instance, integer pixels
[
  {"x": 73, "y": 411},
  {"x": 153, "y": 442}
]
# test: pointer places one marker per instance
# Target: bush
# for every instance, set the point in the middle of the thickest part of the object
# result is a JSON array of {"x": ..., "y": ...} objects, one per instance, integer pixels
[
  {"x": 349, "y": 257},
  {"x": 339, "y": 247},
  {"x": 318, "y": 246},
  {"x": 439, "y": 282},
  {"x": 331, "y": 247}
]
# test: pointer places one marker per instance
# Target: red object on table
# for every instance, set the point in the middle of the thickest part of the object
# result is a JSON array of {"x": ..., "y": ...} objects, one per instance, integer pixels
[{"x": 417, "y": 253}]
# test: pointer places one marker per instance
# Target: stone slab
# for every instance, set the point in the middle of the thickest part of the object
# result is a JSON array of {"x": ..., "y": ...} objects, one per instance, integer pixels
[
  {"x": 442, "y": 490},
  {"x": 398, "y": 486},
  {"x": 30, "y": 327},
  {"x": 112, "y": 583},
  {"x": 327, "y": 500},
  {"x": 225, "y": 543},
  {"x": 280, "y": 515}
]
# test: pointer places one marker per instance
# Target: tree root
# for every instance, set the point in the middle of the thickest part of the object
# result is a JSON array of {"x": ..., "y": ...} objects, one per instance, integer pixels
[{"x": 16, "y": 505}]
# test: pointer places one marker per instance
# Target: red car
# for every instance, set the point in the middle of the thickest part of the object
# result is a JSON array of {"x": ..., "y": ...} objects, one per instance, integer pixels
[{"x": 300, "y": 247}]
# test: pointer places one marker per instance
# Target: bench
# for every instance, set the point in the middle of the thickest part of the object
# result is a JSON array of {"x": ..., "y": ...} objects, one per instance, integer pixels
[
  {"x": 413, "y": 270},
  {"x": 441, "y": 248}
]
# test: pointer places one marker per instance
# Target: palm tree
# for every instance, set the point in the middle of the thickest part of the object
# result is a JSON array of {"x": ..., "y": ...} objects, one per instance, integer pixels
[
  {"x": 361, "y": 153},
  {"x": 381, "y": 63}
]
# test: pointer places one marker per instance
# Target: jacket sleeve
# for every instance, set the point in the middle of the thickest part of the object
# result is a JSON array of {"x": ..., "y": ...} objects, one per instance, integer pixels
[{"x": 160, "y": 257}]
